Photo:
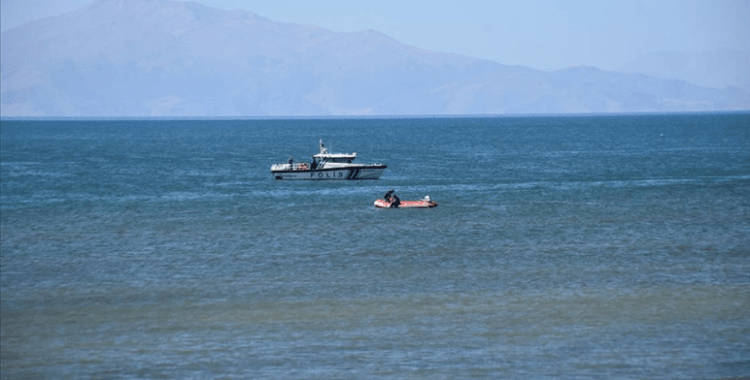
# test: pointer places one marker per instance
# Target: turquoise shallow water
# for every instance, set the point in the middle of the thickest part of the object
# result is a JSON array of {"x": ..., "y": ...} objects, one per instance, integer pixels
[{"x": 562, "y": 247}]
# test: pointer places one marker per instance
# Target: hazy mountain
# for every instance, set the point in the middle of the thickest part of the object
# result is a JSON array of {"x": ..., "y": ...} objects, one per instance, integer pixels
[
  {"x": 161, "y": 58},
  {"x": 720, "y": 68}
]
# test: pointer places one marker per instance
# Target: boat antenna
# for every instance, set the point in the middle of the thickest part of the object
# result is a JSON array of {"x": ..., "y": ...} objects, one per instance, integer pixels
[{"x": 323, "y": 149}]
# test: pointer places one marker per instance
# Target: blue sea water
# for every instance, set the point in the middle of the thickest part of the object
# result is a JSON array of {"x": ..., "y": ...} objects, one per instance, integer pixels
[{"x": 571, "y": 247}]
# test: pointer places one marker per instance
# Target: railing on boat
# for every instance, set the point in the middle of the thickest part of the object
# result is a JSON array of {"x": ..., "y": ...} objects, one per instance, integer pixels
[{"x": 300, "y": 166}]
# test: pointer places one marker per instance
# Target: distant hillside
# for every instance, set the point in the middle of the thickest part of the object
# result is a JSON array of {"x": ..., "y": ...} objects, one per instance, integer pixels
[
  {"x": 162, "y": 58},
  {"x": 720, "y": 68}
]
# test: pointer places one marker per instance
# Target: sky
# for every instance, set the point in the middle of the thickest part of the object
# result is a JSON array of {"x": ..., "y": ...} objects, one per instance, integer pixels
[{"x": 543, "y": 34}]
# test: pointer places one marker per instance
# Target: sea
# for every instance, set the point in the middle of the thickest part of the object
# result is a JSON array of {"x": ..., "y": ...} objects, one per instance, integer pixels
[{"x": 562, "y": 247}]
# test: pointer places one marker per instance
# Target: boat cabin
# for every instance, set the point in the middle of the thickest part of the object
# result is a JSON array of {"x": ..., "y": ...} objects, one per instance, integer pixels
[
  {"x": 338, "y": 157},
  {"x": 324, "y": 156}
]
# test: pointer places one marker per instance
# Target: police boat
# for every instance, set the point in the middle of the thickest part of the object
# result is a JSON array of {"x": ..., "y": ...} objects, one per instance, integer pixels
[{"x": 327, "y": 166}]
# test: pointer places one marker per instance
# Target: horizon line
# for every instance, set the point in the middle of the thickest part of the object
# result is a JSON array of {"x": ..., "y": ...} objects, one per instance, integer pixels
[{"x": 361, "y": 117}]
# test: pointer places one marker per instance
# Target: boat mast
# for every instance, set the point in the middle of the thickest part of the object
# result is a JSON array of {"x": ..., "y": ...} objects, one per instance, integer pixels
[{"x": 323, "y": 149}]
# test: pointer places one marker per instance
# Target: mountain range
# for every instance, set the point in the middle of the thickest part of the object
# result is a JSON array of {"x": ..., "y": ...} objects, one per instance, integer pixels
[
  {"x": 719, "y": 68},
  {"x": 132, "y": 58}
]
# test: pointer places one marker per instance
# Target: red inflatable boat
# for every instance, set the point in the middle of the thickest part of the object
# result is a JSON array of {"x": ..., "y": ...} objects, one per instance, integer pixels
[{"x": 422, "y": 203}]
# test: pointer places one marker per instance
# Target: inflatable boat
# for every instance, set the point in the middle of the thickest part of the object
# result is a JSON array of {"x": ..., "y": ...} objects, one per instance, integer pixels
[{"x": 422, "y": 203}]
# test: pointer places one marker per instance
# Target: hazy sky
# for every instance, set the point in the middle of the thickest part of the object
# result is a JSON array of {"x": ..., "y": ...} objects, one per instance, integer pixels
[{"x": 543, "y": 34}]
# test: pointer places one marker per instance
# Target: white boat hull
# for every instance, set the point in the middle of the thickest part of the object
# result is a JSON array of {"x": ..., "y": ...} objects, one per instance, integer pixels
[{"x": 350, "y": 173}]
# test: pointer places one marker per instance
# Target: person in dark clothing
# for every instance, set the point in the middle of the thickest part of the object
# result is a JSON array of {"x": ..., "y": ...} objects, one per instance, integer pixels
[
  {"x": 313, "y": 163},
  {"x": 387, "y": 196},
  {"x": 396, "y": 202}
]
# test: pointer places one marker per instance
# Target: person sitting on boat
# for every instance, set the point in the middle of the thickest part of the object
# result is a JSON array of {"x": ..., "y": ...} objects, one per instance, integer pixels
[
  {"x": 387, "y": 196},
  {"x": 396, "y": 202}
]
